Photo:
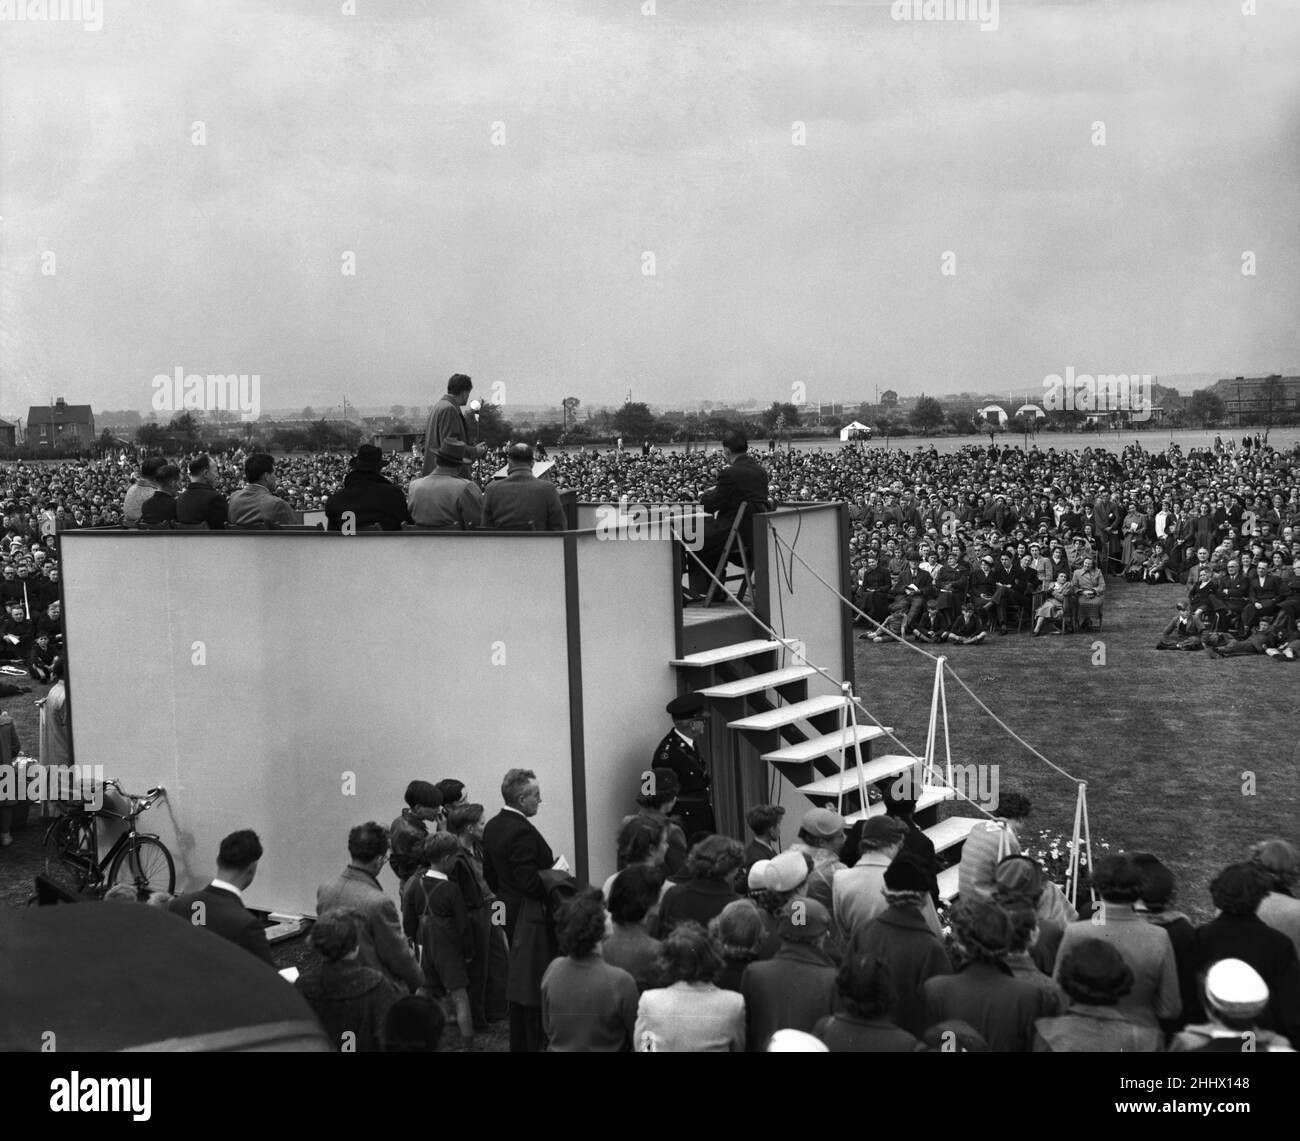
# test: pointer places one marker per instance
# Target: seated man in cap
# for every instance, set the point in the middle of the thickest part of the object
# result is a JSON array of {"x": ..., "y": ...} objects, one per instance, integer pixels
[
  {"x": 369, "y": 498},
  {"x": 521, "y": 501},
  {"x": 680, "y": 752},
  {"x": 795, "y": 989},
  {"x": 446, "y": 498},
  {"x": 1235, "y": 996}
]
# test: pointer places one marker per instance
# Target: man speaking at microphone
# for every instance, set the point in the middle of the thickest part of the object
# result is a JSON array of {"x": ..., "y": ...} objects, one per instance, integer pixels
[{"x": 447, "y": 422}]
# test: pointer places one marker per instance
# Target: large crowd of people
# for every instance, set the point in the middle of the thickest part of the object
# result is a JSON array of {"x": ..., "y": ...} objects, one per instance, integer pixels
[
  {"x": 833, "y": 941},
  {"x": 952, "y": 546},
  {"x": 830, "y": 942}
]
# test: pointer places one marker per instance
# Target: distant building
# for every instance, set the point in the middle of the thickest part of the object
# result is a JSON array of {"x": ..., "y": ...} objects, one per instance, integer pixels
[
  {"x": 1243, "y": 397},
  {"x": 1031, "y": 410},
  {"x": 396, "y": 441},
  {"x": 993, "y": 414},
  {"x": 60, "y": 425},
  {"x": 1123, "y": 417},
  {"x": 855, "y": 431},
  {"x": 8, "y": 434}
]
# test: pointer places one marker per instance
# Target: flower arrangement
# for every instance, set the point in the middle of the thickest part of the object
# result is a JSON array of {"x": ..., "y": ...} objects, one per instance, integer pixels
[{"x": 1052, "y": 851}]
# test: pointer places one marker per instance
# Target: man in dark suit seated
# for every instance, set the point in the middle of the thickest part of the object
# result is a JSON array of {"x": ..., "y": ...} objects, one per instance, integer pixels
[
  {"x": 371, "y": 499},
  {"x": 743, "y": 480},
  {"x": 220, "y": 906},
  {"x": 514, "y": 858},
  {"x": 1263, "y": 595}
]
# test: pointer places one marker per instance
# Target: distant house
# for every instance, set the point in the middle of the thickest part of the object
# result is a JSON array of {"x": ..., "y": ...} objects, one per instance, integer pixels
[
  {"x": 60, "y": 425},
  {"x": 855, "y": 431},
  {"x": 8, "y": 434}
]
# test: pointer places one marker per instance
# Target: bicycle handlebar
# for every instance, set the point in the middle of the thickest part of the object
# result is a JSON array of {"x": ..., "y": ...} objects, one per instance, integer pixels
[{"x": 139, "y": 803}]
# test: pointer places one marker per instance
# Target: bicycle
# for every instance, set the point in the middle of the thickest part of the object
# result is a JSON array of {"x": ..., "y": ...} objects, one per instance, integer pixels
[{"x": 136, "y": 859}]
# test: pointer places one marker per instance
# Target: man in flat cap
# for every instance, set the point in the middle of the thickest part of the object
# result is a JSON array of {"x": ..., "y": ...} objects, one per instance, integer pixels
[
  {"x": 521, "y": 501},
  {"x": 680, "y": 752},
  {"x": 446, "y": 499}
]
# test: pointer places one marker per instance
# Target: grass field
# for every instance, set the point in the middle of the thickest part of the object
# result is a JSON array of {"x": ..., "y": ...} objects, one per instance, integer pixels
[{"x": 1166, "y": 741}]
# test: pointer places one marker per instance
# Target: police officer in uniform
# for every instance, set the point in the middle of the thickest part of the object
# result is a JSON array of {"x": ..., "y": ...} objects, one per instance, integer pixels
[{"x": 679, "y": 751}]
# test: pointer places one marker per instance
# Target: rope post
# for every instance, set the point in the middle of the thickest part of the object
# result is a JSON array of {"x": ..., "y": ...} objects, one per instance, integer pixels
[
  {"x": 1080, "y": 849},
  {"x": 845, "y": 713},
  {"x": 851, "y": 707},
  {"x": 931, "y": 734},
  {"x": 943, "y": 704}
]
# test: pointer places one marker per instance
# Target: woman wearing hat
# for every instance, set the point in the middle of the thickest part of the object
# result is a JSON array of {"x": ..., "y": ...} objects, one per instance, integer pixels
[{"x": 1095, "y": 977}]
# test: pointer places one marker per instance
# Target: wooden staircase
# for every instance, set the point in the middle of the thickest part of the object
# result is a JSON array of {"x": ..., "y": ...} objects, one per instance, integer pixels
[{"x": 763, "y": 694}]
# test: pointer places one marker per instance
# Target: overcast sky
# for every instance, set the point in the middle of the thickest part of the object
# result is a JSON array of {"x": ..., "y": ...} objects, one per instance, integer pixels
[{"x": 673, "y": 135}]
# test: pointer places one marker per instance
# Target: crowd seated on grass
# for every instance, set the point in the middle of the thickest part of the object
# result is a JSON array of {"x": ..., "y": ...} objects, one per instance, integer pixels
[{"x": 949, "y": 547}]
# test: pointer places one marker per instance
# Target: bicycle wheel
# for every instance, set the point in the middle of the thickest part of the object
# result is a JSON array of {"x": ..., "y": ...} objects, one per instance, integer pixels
[
  {"x": 68, "y": 851},
  {"x": 151, "y": 868}
]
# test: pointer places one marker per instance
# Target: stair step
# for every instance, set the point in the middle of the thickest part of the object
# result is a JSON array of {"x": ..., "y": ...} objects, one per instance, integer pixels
[
  {"x": 759, "y": 682},
  {"x": 878, "y": 768},
  {"x": 948, "y": 883},
  {"x": 789, "y": 714},
  {"x": 930, "y": 796},
  {"x": 951, "y": 831},
  {"x": 732, "y": 653},
  {"x": 825, "y": 745}
]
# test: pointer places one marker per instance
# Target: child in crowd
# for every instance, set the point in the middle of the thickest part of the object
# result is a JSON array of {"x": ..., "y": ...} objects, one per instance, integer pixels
[
  {"x": 1185, "y": 629},
  {"x": 411, "y": 829},
  {"x": 435, "y": 916},
  {"x": 966, "y": 629}
]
